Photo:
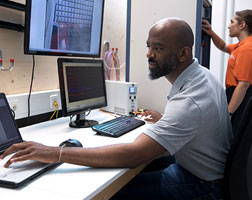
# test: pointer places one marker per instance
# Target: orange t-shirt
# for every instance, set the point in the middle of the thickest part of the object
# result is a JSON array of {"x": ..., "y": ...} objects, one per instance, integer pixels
[{"x": 239, "y": 63}]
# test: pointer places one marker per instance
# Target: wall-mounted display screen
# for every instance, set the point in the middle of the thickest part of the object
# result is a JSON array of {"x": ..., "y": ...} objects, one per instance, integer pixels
[{"x": 63, "y": 27}]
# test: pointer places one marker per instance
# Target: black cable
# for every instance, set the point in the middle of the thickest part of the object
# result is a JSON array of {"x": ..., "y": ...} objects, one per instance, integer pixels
[{"x": 29, "y": 96}]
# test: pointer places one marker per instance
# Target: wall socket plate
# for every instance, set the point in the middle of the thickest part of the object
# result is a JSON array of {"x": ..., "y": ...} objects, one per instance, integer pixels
[{"x": 53, "y": 98}]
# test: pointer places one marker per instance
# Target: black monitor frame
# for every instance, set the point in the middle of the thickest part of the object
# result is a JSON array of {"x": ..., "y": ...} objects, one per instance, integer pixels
[
  {"x": 81, "y": 121},
  {"x": 28, "y": 50}
]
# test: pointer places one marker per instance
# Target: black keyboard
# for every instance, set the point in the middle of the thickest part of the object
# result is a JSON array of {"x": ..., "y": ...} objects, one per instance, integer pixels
[{"x": 118, "y": 126}]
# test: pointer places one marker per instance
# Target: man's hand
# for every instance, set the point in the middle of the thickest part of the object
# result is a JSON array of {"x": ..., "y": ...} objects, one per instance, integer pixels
[
  {"x": 31, "y": 151},
  {"x": 154, "y": 116}
]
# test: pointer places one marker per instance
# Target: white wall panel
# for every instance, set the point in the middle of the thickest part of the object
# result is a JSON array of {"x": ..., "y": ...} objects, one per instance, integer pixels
[
  {"x": 152, "y": 94},
  {"x": 39, "y": 103}
]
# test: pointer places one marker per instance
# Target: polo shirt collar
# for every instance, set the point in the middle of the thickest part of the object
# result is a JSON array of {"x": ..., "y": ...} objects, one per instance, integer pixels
[
  {"x": 179, "y": 82},
  {"x": 245, "y": 40}
]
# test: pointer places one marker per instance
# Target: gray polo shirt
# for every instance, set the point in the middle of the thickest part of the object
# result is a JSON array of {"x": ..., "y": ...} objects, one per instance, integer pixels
[{"x": 195, "y": 127}]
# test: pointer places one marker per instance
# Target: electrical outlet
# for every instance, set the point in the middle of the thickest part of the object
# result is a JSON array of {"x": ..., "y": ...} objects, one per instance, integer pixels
[{"x": 53, "y": 98}]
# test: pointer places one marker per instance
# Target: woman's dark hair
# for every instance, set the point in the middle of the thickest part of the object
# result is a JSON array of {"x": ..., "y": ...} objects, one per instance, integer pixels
[{"x": 245, "y": 15}]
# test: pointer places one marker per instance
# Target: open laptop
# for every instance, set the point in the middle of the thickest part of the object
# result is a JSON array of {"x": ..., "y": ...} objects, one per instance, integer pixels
[{"x": 19, "y": 173}]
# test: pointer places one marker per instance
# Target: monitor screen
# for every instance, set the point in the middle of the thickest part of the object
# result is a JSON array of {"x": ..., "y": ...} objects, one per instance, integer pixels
[
  {"x": 63, "y": 27},
  {"x": 82, "y": 88}
]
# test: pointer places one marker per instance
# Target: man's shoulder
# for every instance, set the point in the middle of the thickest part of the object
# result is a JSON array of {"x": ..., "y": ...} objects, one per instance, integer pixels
[{"x": 211, "y": 77}]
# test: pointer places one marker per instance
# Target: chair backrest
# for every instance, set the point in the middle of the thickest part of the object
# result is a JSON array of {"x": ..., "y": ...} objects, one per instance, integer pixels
[{"x": 238, "y": 169}]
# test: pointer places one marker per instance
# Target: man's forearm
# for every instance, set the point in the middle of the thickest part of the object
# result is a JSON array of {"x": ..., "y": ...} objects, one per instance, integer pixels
[{"x": 108, "y": 156}]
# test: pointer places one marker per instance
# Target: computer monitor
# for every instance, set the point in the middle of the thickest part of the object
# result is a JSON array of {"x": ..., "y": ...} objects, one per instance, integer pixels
[
  {"x": 82, "y": 88},
  {"x": 63, "y": 27}
]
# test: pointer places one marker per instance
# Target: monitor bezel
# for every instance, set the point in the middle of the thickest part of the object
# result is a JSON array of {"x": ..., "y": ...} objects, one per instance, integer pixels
[
  {"x": 65, "y": 112},
  {"x": 17, "y": 139},
  {"x": 28, "y": 51}
]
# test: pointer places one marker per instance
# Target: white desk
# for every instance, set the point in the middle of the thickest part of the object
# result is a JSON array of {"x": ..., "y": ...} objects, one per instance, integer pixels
[{"x": 72, "y": 181}]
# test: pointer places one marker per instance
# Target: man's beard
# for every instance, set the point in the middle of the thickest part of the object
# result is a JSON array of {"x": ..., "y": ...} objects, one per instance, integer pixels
[{"x": 165, "y": 69}]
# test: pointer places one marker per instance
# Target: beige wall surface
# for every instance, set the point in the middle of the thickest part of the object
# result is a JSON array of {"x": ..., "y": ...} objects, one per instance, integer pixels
[
  {"x": 46, "y": 75},
  {"x": 114, "y": 29},
  {"x": 152, "y": 93}
]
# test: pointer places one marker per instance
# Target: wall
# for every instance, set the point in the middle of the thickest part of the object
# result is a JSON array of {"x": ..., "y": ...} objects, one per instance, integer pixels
[
  {"x": 222, "y": 12},
  {"x": 16, "y": 83},
  {"x": 46, "y": 75},
  {"x": 114, "y": 29},
  {"x": 152, "y": 93},
  {"x": 11, "y": 44}
]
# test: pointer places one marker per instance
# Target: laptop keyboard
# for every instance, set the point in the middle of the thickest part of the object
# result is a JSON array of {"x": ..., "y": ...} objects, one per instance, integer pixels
[
  {"x": 17, "y": 167},
  {"x": 118, "y": 126},
  {"x": 4, "y": 171}
]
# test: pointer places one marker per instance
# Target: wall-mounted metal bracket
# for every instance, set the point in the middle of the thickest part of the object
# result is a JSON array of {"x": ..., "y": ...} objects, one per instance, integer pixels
[
  {"x": 16, "y": 6},
  {"x": 12, "y": 26},
  {"x": 106, "y": 46},
  {"x": 1, "y": 64},
  {"x": 12, "y": 5}
]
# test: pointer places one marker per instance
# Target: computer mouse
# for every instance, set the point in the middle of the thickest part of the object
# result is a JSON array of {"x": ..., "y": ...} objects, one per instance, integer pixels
[{"x": 71, "y": 143}]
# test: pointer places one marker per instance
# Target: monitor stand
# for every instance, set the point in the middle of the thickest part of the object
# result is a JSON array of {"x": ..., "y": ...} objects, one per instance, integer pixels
[{"x": 82, "y": 122}]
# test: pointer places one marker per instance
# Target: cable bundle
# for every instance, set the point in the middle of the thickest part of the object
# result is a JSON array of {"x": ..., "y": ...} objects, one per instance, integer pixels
[{"x": 112, "y": 65}]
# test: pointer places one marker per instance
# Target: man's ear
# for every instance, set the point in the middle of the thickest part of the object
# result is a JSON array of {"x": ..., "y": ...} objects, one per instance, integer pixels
[{"x": 184, "y": 53}]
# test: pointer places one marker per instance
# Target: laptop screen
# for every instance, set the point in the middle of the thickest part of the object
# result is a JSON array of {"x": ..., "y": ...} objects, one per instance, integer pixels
[{"x": 9, "y": 133}]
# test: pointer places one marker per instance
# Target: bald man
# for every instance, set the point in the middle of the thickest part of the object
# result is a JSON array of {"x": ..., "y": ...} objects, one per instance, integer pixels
[{"x": 194, "y": 130}]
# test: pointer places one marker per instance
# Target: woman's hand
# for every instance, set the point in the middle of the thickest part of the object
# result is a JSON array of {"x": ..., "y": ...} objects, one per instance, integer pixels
[{"x": 206, "y": 27}]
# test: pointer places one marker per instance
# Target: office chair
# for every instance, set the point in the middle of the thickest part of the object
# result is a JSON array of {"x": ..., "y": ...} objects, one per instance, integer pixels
[{"x": 238, "y": 168}]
